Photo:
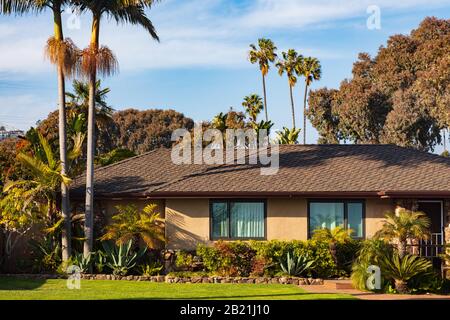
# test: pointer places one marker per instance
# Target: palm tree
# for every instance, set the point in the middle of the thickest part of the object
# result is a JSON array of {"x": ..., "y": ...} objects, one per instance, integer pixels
[
  {"x": 79, "y": 101},
  {"x": 403, "y": 226},
  {"x": 63, "y": 53},
  {"x": 289, "y": 64},
  {"x": 219, "y": 121},
  {"x": 264, "y": 55},
  {"x": 96, "y": 59},
  {"x": 132, "y": 224},
  {"x": 288, "y": 136},
  {"x": 403, "y": 268},
  {"x": 253, "y": 105},
  {"x": 78, "y": 106},
  {"x": 311, "y": 70}
]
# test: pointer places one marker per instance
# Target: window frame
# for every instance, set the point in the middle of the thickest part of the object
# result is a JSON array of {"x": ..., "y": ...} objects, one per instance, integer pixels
[
  {"x": 345, "y": 202},
  {"x": 229, "y": 201}
]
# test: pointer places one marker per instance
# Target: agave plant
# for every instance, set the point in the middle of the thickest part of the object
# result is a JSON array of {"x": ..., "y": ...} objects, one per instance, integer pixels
[
  {"x": 402, "y": 269},
  {"x": 121, "y": 258},
  {"x": 83, "y": 262},
  {"x": 296, "y": 265}
]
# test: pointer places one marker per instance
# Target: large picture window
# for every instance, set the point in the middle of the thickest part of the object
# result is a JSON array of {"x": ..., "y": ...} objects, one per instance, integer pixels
[
  {"x": 237, "y": 219},
  {"x": 331, "y": 214}
]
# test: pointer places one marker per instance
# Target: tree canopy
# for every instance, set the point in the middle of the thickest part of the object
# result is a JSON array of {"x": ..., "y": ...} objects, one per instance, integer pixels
[{"x": 400, "y": 96}]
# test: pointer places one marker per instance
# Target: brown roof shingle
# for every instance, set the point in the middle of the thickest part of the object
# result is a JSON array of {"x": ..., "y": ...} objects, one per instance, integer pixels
[{"x": 304, "y": 169}]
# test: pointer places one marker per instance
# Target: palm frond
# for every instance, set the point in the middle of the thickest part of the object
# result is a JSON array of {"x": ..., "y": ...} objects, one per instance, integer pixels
[{"x": 20, "y": 7}]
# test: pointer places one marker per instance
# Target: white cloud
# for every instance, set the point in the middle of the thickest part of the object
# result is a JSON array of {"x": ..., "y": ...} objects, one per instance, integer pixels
[
  {"x": 22, "y": 111},
  {"x": 210, "y": 33},
  {"x": 300, "y": 13}
]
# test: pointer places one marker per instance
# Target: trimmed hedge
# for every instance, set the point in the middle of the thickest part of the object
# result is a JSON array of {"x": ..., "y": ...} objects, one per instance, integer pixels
[{"x": 261, "y": 258}]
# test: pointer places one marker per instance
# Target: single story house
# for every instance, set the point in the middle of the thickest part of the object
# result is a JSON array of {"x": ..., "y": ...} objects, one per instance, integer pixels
[{"x": 316, "y": 186}]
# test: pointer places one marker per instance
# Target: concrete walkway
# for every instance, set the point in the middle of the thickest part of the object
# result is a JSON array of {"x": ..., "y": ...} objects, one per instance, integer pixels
[{"x": 330, "y": 287}]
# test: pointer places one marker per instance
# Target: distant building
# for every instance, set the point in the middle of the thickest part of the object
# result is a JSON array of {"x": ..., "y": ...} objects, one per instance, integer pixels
[{"x": 5, "y": 134}]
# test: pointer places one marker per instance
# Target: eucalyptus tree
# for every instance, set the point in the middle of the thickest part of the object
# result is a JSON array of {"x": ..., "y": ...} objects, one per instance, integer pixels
[
  {"x": 264, "y": 55},
  {"x": 62, "y": 53},
  {"x": 311, "y": 69},
  {"x": 289, "y": 64},
  {"x": 100, "y": 60}
]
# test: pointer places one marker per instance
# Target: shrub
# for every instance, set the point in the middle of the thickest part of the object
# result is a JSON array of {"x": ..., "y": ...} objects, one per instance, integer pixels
[
  {"x": 259, "y": 267},
  {"x": 184, "y": 260},
  {"x": 46, "y": 255},
  {"x": 151, "y": 269},
  {"x": 188, "y": 274},
  {"x": 262, "y": 258},
  {"x": 427, "y": 282},
  {"x": 346, "y": 254},
  {"x": 228, "y": 258},
  {"x": 370, "y": 252}
]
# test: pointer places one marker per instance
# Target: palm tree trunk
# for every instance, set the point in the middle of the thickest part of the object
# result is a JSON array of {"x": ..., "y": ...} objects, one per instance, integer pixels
[
  {"x": 402, "y": 248},
  {"x": 265, "y": 96},
  {"x": 304, "y": 113},
  {"x": 401, "y": 286},
  {"x": 65, "y": 207},
  {"x": 292, "y": 106},
  {"x": 89, "y": 210}
]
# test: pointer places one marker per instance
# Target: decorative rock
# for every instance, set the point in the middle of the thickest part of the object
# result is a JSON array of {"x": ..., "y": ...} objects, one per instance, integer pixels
[
  {"x": 274, "y": 280},
  {"x": 196, "y": 279},
  {"x": 261, "y": 280},
  {"x": 283, "y": 280},
  {"x": 206, "y": 280},
  {"x": 226, "y": 280}
]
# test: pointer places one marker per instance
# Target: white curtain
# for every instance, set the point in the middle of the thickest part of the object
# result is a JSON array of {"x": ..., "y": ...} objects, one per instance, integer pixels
[
  {"x": 220, "y": 220},
  {"x": 247, "y": 220}
]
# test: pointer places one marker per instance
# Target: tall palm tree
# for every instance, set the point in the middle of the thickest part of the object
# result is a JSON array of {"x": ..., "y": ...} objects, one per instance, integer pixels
[
  {"x": 403, "y": 226},
  {"x": 63, "y": 53},
  {"x": 264, "y": 55},
  {"x": 100, "y": 60},
  {"x": 311, "y": 70},
  {"x": 253, "y": 105},
  {"x": 289, "y": 64}
]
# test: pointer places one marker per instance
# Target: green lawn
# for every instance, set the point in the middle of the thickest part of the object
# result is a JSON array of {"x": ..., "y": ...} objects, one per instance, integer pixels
[{"x": 16, "y": 289}]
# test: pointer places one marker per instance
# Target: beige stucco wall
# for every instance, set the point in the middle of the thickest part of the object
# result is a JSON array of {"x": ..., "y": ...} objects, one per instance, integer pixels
[
  {"x": 375, "y": 210},
  {"x": 187, "y": 223},
  {"x": 287, "y": 219},
  {"x": 187, "y": 220}
]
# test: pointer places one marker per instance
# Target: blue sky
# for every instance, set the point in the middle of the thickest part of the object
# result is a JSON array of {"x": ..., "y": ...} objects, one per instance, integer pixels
[{"x": 200, "y": 66}]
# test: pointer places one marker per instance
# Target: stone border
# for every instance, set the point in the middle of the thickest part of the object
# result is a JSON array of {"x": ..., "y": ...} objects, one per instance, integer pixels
[{"x": 174, "y": 279}]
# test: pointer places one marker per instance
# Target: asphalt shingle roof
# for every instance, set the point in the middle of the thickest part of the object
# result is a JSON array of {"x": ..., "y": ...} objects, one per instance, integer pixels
[{"x": 303, "y": 169}]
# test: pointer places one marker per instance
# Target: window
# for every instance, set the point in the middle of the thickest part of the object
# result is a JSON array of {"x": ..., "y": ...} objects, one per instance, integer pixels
[
  {"x": 331, "y": 214},
  {"x": 237, "y": 219}
]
